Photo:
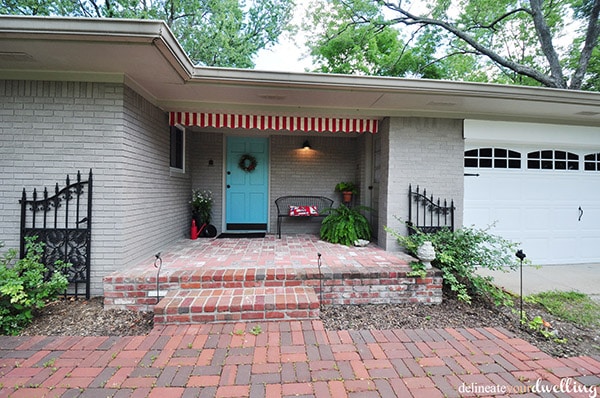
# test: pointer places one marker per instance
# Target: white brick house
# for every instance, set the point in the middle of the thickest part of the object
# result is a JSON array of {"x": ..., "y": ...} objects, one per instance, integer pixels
[{"x": 80, "y": 94}]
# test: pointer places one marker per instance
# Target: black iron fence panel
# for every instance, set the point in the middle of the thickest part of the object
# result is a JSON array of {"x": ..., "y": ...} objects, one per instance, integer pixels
[
  {"x": 427, "y": 214},
  {"x": 63, "y": 222}
]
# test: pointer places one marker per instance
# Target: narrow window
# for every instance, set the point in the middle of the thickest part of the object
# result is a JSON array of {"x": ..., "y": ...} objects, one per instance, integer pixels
[{"x": 177, "y": 148}]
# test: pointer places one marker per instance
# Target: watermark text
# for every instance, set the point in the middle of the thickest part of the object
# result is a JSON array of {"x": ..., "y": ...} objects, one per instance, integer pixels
[{"x": 566, "y": 385}]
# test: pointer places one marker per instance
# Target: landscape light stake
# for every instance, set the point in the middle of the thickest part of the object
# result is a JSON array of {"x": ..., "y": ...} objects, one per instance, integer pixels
[
  {"x": 521, "y": 256},
  {"x": 157, "y": 264},
  {"x": 320, "y": 280}
]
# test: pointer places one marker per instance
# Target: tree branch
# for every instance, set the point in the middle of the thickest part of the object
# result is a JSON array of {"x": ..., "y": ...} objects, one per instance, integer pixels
[
  {"x": 96, "y": 8},
  {"x": 545, "y": 39},
  {"x": 452, "y": 54},
  {"x": 591, "y": 41},
  {"x": 408, "y": 18},
  {"x": 495, "y": 22}
]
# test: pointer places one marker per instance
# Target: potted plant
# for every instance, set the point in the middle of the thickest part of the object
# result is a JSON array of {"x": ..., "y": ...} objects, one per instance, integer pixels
[
  {"x": 347, "y": 189},
  {"x": 201, "y": 202},
  {"x": 346, "y": 225}
]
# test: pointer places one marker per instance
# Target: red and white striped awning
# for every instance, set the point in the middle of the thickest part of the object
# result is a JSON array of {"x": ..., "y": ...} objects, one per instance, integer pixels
[{"x": 264, "y": 122}]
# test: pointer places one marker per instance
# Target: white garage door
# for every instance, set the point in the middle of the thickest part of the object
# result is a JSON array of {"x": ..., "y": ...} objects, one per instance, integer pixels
[{"x": 548, "y": 200}]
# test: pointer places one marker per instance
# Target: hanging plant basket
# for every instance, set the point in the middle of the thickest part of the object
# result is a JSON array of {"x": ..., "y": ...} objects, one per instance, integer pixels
[{"x": 247, "y": 163}]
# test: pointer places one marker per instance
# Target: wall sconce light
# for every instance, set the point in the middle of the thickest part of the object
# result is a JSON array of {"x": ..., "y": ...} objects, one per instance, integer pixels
[{"x": 306, "y": 145}]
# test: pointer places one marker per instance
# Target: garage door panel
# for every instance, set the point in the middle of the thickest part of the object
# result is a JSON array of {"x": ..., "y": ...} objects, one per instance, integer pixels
[
  {"x": 561, "y": 250},
  {"x": 478, "y": 216},
  {"x": 507, "y": 222},
  {"x": 539, "y": 208},
  {"x": 590, "y": 219},
  {"x": 565, "y": 188},
  {"x": 565, "y": 220},
  {"x": 589, "y": 239},
  {"x": 587, "y": 248},
  {"x": 587, "y": 187},
  {"x": 536, "y": 219},
  {"x": 536, "y": 249},
  {"x": 506, "y": 217}
]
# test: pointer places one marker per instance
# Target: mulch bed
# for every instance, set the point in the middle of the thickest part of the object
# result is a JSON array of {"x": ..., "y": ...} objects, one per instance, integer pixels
[{"x": 88, "y": 318}]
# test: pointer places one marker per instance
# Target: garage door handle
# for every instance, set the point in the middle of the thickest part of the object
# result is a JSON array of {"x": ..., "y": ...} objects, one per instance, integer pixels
[{"x": 580, "y": 213}]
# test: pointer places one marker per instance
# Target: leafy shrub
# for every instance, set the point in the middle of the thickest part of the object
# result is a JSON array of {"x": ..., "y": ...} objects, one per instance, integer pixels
[
  {"x": 23, "y": 288},
  {"x": 459, "y": 253},
  {"x": 345, "y": 225}
]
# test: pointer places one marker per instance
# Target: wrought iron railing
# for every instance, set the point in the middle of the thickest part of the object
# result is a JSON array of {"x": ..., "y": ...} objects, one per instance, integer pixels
[
  {"x": 63, "y": 222},
  {"x": 427, "y": 214}
]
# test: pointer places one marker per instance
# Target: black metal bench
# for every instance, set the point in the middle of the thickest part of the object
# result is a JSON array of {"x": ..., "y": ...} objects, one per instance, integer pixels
[{"x": 285, "y": 203}]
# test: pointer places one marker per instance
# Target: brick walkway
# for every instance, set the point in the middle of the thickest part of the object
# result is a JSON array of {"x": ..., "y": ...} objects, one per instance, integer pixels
[{"x": 288, "y": 358}]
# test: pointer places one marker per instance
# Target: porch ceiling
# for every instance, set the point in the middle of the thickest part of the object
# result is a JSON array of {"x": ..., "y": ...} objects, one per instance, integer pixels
[{"x": 146, "y": 56}]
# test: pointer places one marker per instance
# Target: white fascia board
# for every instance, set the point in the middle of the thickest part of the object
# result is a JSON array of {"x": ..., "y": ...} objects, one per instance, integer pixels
[
  {"x": 391, "y": 84},
  {"x": 489, "y": 132}
]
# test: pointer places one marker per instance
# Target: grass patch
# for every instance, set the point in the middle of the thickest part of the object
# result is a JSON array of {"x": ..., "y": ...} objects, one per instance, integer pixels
[{"x": 570, "y": 306}]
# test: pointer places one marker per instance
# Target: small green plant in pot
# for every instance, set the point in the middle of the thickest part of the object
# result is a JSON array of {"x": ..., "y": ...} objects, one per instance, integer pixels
[
  {"x": 347, "y": 189},
  {"x": 346, "y": 225}
]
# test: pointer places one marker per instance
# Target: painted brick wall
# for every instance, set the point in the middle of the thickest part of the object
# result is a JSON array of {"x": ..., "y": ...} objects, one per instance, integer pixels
[
  {"x": 424, "y": 152},
  {"x": 205, "y": 147},
  {"x": 154, "y": 204},
  {"x": 51, "y": 129},
  {"x": 295, "y": 171}
]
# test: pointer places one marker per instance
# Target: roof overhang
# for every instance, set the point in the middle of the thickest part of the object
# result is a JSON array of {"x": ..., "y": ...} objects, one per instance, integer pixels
[{"x": 146, "y": 56}]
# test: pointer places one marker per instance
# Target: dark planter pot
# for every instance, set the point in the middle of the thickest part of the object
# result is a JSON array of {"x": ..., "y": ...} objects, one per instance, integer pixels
[{"x": 210, "y": 231}]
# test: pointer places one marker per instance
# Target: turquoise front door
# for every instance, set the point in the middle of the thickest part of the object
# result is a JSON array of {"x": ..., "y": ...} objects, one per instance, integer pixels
[{"x": 247, "y": 184}]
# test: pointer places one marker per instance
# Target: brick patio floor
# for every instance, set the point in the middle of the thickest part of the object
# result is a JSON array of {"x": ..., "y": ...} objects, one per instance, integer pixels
[
  {"x": 350, "y": 275},
  {"x": 289, "y": 359}
]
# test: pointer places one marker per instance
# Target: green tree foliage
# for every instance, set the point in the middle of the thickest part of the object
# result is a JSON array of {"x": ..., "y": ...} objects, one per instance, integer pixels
[
  {"x": 526, "y": 42},
  {"x": 349, "y": 45},
  {"x": 24, "y": 288},
  {"x": 225, "y": 33}
]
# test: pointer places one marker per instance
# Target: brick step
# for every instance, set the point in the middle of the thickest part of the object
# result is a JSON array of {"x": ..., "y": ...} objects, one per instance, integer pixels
[
  {"x": 189, "y": 306},
  {"x": 241, "y": 278}
]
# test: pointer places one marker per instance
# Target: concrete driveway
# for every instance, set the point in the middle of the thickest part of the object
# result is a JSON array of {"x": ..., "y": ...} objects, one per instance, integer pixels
[{"x": 584, "y": 278}]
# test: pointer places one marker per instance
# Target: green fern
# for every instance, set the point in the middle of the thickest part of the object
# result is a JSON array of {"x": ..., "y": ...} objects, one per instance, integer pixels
[{"x": 345, "y": 225}]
